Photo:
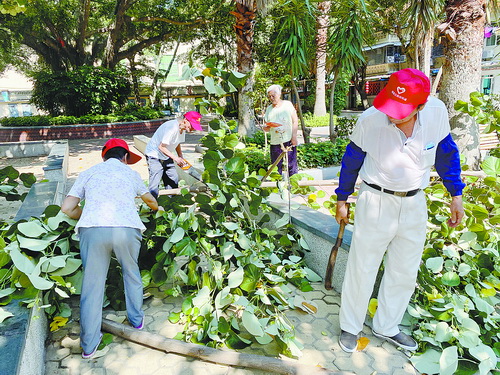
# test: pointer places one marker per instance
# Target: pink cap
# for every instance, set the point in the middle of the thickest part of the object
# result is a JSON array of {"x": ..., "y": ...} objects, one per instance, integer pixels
[
  {"x": 194, "y": 119},
  {"x": 405, "y": 91}
]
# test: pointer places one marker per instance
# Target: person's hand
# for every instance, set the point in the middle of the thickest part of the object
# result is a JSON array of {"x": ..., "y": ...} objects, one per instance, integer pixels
[
  {"x": 341, "y": 212},
  {"x": 266, "y": 128},
  {"x": 179, "y": 161},
  {"x": 293, "y": 141},
  {"x": 456, "y": 210}
]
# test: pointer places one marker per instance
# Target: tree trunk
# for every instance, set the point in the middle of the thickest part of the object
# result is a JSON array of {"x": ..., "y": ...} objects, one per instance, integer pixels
[
  {"x": 114, "y": 42},
  {"x": 135, "y": 81},
  {"x": 245, "y": 22},
  {"x": 462, "y": 71},
  {"x": 424, "y": 53},
  {"x": 305, "y": 131},
  {"x": 321, "y": 37},
  {"x": 333, "y": 133},
  {"x": 359, "y": 79}
]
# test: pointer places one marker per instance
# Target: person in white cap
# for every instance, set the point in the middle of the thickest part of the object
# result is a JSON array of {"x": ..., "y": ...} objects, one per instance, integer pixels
[
  {"x": 393, "y": 147},
  {"x": 109, "y": 222},
  {"x": 163, "y": 151}
]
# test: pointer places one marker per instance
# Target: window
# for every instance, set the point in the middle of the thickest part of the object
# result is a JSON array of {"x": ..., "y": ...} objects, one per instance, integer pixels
[
  {"x": 486, "y": 83},
  {"x": 490, "y": 36},
  {"x": 13, "y": 111}
]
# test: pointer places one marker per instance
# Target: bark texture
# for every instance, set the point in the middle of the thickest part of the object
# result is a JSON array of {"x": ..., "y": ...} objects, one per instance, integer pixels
[
  {"x": 462, "y": 70},
  {"x": 321, "y": 38},
  {"x": 245, "y": 21}
]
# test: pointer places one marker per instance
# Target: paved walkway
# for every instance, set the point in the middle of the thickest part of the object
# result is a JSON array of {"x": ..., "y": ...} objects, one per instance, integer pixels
[{"x": 318, "y": 332}]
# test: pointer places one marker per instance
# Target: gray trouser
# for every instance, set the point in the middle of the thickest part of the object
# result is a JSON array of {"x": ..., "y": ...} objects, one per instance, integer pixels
[
  {"x": 161, "y": 170},
  {"x": 96, "y": 245}
]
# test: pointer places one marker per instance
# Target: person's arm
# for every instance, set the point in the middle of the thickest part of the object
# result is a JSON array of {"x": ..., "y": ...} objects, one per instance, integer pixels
[
  {"x": 71, "y": 207},
  {"x": 176, "y": 158},
  {"x": 295, "y": 127},
  {"x": 150, "y": 201},
  {"x": 448, "y": 168},
  {"x": 352, "y": 161}
]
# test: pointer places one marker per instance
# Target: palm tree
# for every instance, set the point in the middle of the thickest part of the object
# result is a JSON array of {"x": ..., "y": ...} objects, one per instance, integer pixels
[
  {"x": 245, "y": 13},
  {"x": 321, "y": 39},
  {"x": 422, "y": 17},
  {"x": 345, "y": 43},
  {"x": 463, "y": 46},
  {"x": 292, "y": 44}
]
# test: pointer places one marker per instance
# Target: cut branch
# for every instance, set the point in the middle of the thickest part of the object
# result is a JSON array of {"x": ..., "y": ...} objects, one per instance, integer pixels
[{"x": 222, "y": 357}]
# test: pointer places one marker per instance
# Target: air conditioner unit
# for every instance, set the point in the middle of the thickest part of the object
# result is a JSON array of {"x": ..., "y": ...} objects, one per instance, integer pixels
[
  {"x": 389, "y": 59},
  {"x": 488, "y": 54}
]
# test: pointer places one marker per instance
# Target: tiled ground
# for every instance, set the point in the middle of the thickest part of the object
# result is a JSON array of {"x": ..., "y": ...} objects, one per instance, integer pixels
[{"x": 318, "y": 333}]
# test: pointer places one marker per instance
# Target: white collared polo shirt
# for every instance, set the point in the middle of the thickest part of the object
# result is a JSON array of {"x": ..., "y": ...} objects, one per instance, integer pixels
[{"x": 393, "y": 161}]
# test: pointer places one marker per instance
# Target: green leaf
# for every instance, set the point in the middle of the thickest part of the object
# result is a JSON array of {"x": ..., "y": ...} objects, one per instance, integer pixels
[
  {"x": 450, "y": 279},
  {"x": 491, "y": 166},
  {"x": 443, "y": 332},
  {"x": 235, "y": 165},
  {"x": 448, "y": 362},
  {"x": 177, "y": 235},
  {"x": 284, "y": 220},
  {"x": 435, "y": 264},
  {"x": 32, "y": 229},
  {"x": 32, "y": 243},
  {"x": 235, "y": 278},
  {"x": 22, "y": 262},
  {"x": 39, "y": 282},
  {"x": 71, "y": 265},
  {"x": 4, "y": 314},
  {"x": 231, "y": 226},
  {"x": 251, "y": 323},
  {"x": 428, "y": 362}
]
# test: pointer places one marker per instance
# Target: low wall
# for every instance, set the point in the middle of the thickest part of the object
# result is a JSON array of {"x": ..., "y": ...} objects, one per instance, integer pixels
[{"x": 55, "y": 132}]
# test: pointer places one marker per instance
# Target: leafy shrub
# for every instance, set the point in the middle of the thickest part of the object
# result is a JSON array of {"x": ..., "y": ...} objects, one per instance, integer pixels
[
  {"x": 140, "y": 114},
  {"x": 25, "y": 121},
  {"x": 256, "y": 158},
  {"x": 344, "y": 126},
  {"x": 258, "y": 139},
  {"x": 316, "y": 121},
  {"x": 455, "y": 307},
  {"x": 321, "y": 154},
  {"x": 84, "y": 90}
]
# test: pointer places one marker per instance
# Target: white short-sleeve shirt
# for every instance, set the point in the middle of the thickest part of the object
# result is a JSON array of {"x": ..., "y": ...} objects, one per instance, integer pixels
[
  {"x": 281, "y": 115},
  {"x": 109, "y": 190},
  {"x": 393, "y": 161},
  {"x": 168, "y": 133}
]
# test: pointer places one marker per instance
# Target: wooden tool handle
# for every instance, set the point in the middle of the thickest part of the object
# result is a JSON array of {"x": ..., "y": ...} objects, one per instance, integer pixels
[{"x": 333, "y": 253}]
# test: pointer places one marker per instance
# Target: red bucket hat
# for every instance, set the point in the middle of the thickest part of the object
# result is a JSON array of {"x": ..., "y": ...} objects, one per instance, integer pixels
[
  {"x": 405, "y": 91},
  {"x": 194, "y": 119},
  {"x": 117, "y": 142}
]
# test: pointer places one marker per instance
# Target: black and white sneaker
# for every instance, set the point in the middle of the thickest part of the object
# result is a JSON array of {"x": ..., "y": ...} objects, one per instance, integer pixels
[{"x": 401, "y": 340}]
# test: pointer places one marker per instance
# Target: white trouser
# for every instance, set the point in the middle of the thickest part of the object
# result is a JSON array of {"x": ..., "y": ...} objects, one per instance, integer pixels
[{"x": 390, "y": 225}]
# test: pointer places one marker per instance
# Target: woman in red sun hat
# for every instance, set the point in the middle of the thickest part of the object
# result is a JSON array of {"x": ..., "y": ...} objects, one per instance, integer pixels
[
  {"x": 393, "y": 147},
  {"x": 109, "y": 222}
]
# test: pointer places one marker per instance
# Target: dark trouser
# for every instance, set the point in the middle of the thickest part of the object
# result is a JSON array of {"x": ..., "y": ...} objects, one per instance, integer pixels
[
  {"x": 161, "y": 170},
  {"x": 292, "y": 158}
]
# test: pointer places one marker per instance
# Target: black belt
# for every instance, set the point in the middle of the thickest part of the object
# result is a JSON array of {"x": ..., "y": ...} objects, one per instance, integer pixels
[{"x": 410, "y": 193}]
